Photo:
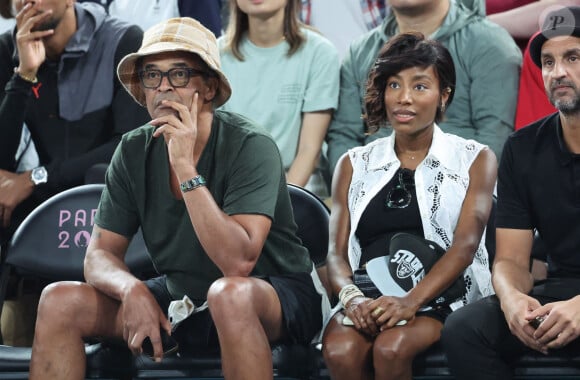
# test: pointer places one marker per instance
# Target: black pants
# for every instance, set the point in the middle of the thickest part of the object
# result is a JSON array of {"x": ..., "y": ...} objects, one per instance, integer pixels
[
  {"x": 18, "y": 216},
  {"x": 479, "y": 344}
]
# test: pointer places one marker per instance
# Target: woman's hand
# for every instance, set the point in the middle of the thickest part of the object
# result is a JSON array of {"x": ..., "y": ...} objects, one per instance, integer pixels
[
  {"x": 360, "y": 314},
  {"x": 387, "y": 311}
]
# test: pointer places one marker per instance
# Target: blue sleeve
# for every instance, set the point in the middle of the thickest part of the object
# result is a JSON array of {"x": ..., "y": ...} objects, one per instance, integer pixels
[{"x": 208, "y": 12}]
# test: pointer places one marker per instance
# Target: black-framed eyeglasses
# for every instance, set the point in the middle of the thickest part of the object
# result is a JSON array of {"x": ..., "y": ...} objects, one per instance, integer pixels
[
  {"x": 178, "y": 76},
  {"x": 400, "y": 195}
]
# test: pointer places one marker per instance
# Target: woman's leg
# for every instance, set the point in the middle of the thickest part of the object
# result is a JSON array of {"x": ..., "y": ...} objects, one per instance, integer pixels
[
  {"x": 346, "y": 351},
  {"x": 395, "y": 348}
]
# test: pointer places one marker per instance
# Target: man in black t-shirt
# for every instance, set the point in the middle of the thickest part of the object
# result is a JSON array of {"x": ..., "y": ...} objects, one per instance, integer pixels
[{"x": 538, "y": 190}]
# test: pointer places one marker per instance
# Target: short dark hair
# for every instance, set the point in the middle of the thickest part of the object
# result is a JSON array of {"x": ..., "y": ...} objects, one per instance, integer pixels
[
  {"x": 6, "y": 9},
  {"x": 563, "y": 21},
  {"x": 404, "y": 51}
]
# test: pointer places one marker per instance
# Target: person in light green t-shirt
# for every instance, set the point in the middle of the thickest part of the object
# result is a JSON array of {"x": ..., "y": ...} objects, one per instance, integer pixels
[
  {"x": 284, "y": 76},
  {"x": 208, "y": 190}
]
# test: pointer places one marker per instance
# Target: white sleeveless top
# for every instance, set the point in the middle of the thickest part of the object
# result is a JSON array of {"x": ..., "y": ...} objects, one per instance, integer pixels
[{"x": 441, "y": 182}]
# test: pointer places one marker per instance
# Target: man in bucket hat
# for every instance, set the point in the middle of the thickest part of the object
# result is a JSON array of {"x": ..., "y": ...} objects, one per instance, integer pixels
[
  {"x": 207, "y": 189},
  {"x": 538, "y": 191}
]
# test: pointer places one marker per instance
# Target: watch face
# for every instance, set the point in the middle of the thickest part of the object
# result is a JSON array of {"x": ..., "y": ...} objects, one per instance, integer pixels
[{"x": 39, "y": 175}]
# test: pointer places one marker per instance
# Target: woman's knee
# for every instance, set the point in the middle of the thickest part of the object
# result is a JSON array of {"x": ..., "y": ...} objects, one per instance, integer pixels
[
  {"x": 342, "y": 352},
  {"x": 389, "y": 351}
]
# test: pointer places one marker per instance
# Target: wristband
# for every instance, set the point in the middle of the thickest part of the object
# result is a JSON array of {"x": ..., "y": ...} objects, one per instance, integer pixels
[{"x": 192, "y": 184}]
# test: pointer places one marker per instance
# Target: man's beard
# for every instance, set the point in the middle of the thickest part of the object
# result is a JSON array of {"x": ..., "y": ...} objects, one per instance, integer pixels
[
  {"x": 51, "y": 23},
  {"x": 566, "y": 106}
]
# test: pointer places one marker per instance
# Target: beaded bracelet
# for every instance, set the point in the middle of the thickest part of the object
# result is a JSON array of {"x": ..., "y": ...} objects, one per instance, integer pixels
[{"x": 347, "y": 293}]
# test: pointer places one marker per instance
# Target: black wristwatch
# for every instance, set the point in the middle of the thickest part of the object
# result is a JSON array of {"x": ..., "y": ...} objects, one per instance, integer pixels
[{"x": 39, "y": 175}]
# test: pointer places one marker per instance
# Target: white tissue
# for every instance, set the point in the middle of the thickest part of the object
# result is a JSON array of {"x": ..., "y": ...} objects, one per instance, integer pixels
[{"x": 180, "y": 310}]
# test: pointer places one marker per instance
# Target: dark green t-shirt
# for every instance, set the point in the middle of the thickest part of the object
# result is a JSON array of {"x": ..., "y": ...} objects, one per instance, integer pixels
[{"x": 244, "y": 174}]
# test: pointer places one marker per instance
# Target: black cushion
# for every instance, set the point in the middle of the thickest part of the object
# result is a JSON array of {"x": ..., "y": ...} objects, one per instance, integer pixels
[
  {"x": 51, "y": 242},
  {"x": 311, "y": 216}
]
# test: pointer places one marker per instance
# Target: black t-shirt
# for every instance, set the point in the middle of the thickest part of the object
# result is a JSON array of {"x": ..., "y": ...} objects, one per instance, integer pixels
[
  {"x": 379, "y": 222},
  {"x": 539, "y": 188}
]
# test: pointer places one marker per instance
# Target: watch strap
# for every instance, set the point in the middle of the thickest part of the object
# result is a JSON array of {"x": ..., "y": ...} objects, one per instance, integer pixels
[{"x": 192, "y": 184}]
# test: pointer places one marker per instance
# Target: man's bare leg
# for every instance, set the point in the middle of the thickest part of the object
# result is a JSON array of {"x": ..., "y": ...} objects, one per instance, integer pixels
[
  {"x": 247, "y": 315},
  {"x": 67, "y": 312}
]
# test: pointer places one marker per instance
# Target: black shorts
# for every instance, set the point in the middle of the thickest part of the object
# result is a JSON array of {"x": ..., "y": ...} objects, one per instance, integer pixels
[
  {"x": 440, "y": 313},
  {"x": 301, "y": 312}
]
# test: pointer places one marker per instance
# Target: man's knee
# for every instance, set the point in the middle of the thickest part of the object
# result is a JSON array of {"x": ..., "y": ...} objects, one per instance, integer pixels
[
  {"x": 455, "y": 327},
  {"x": 60, "y": 301},
  {"x": 228, "y": 294}
]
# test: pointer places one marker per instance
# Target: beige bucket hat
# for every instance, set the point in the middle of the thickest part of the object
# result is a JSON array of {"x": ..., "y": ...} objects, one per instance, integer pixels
[{"x": 174, "y": 34}]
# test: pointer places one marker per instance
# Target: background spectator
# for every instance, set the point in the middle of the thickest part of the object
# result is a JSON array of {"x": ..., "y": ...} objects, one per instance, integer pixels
[
  {"x": 284, "y": 76},
  {"x": 146, "y": 13},
  {"x": 208, "y": 12},
  {"x": 57, "y": 77},
  {"x": 342, "y": 21},
  {"x": 532, "y": 102}
]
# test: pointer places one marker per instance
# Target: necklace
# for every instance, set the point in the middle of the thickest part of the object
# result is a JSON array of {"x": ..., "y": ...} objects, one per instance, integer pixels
[{"x": 413, "y": 155}]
